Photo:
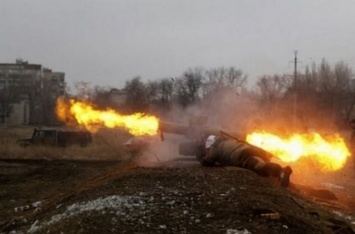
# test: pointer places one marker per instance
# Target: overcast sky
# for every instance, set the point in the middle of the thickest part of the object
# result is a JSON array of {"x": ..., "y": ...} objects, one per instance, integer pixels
[{"x": 106, "y": 42}]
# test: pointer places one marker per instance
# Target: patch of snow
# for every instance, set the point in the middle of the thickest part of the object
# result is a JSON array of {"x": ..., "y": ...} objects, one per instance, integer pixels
[
  {"x": 16, "y": 232},
  {"x": 344, "y": 216},
  {"x": 333, "y": 186},
  {"x": 111, "y": 202},
  {"x": 36, "y": 204},
  {"x": 234, "y": 231}
]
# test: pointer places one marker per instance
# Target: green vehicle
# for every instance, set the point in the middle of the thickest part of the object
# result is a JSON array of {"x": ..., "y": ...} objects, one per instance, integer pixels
[{"x": 57, "y": 137}]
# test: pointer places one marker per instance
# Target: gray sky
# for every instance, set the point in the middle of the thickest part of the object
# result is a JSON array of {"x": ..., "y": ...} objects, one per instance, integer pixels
[{"x": 106, "y": 42}]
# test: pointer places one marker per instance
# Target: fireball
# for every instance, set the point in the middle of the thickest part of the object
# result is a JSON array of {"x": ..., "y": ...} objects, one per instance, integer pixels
[
  {"x": 84, "y": 114},
  {"x": 330, "y": 152}
]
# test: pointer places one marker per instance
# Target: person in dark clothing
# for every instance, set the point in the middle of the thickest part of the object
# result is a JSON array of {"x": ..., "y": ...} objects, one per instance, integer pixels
[{"x": 232, "y": 152}]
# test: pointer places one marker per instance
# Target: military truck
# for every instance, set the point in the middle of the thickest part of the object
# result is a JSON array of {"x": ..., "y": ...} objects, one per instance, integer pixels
[{"x": 57, "y": 137}]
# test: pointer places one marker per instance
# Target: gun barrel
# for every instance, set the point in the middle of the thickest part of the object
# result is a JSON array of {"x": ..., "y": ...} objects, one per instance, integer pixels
[
  {"x": 193, "y": 131},
  {"x": 175, "y": 128}
]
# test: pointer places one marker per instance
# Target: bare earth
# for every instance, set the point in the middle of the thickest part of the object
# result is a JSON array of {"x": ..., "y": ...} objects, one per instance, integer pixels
[{"x": 165, "y": 197}]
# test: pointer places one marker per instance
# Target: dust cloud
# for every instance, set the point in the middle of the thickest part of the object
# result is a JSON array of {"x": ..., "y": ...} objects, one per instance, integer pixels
[{"x": 163, "y": 152}]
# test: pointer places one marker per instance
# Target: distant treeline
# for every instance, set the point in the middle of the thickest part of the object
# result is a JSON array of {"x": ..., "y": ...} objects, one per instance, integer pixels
[{"x": 320, "y": 95}]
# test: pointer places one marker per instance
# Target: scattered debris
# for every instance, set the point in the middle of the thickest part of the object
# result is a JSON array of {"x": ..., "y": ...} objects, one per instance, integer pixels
[
  {"x": 234, "y": 231},
  {"x": 333, "y": 186},
  {"x": 349, "y": 218},
  {"x": 36, "y": 204},
  {"x": 22, "y": 208},
  {"x": 271, "y": 216}
]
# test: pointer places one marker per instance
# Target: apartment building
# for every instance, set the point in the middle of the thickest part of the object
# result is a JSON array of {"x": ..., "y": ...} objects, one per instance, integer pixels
[{"x": 28, "y": 93}]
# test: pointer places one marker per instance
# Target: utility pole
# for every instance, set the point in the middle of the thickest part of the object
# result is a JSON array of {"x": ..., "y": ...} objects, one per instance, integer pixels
[
  {"x": 295, "y": 90},
  {"x": 295, "y": 72}
]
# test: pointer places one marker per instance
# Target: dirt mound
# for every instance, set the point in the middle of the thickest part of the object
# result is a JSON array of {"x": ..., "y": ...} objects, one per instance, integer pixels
[{"x": 125, "y": 198}]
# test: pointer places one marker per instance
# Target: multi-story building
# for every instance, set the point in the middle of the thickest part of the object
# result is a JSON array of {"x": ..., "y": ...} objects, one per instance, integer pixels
[{"x": 28, "y": 93}]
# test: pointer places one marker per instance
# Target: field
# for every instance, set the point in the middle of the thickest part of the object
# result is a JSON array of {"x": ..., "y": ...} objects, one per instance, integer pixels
[
  {"x": 104, "y": 189},
  {"x": 106, "y": 147}
]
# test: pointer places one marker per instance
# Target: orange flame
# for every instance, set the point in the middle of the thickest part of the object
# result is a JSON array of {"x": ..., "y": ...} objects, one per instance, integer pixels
[
  {"x": 86, "y": 115},
  {"x": 330, "y": 152}
]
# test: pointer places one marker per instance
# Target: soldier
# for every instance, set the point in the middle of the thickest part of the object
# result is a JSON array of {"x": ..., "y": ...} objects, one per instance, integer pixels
[{"x": 232, "y": 152}]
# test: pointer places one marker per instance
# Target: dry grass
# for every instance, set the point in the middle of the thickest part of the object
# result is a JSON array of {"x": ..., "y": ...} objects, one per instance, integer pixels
[{"x": 107, "y": 145}]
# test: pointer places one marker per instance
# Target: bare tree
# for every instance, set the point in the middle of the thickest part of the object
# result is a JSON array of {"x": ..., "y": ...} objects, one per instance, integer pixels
[
  {"x": 272, "y": 88},
  {"x": 101, "y": 97},
  {"x": 188, "y": 87},
  {"x": 326, "y": 77},
  {"x": 342, "y": 76},
  {"x": 335, "y": 94},
  {"x": 137, "y": 95},
  {"x": 182, "y": 95},
  {"x": 166, "y": 92},
  {"x": 309, "y": 81},
  {"x": 152, "y": 91},
  {"x": 345, "y": 91},
  {"x": 83, "y": 90},
  {"x": 221, "y": 79},
  {"x": 322, "y": 95}
]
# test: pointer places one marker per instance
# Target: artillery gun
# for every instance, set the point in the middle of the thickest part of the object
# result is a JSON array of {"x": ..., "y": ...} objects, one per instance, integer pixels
[{"x": 196, "y": 132}]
